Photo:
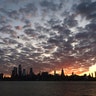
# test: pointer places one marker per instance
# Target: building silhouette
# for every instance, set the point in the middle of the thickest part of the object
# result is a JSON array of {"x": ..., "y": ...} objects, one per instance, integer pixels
[
  {"x": 24, "y": 72},
  {"x": 19, "y": 74},
  {"x": 19, "y": 71},
  {"x": 62, "y": 73},
  {"x": 14, "y": 72},
  {"x": 1, "y": 76},
  {"x": 31, "y": 72}
]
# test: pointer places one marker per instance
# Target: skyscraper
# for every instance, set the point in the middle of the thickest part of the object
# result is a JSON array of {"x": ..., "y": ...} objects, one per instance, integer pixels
[
  {"x": 1, "y": 76},
  {"x": 62, "y": 73},
  {"x": 24, "y": 72},
  {"x": 19, "y": 71},
  {"x": 54, "y": 72},
  {"x": 31, "y": 72},
  {"x": 14, "y": 72}
]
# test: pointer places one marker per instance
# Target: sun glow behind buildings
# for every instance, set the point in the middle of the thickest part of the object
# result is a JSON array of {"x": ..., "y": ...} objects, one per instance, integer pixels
[
  {"x": 69, "y": 71},
  {"x": 92, "y": 69},
  {"x": 7, "y": 76}
]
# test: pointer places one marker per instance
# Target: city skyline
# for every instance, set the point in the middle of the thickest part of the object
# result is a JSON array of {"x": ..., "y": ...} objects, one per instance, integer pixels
[
  {"x": 20, "y": 74},
  {"x": 48, "y": 35},
  {"x": 19, "y": 71}
]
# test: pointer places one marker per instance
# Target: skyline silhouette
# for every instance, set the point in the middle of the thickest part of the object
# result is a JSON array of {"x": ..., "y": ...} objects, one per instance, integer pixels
[{"x": 20, "y": 74}]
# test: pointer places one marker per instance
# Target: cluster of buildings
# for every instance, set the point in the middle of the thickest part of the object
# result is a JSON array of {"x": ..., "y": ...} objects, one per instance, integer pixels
[{"x": 20, "y": 74}]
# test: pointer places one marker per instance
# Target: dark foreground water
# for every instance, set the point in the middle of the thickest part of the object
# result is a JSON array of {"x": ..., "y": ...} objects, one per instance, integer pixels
[{"x": 47, "y": 88}]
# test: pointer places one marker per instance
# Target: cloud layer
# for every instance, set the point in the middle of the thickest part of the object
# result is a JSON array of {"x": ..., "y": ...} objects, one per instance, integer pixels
[{"x": 47, "y": 34}]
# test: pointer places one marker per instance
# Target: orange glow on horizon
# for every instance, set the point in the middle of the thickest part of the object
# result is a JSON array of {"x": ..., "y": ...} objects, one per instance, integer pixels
[
  {"x": 68, "y": 71},
  {"x": 78, "y": 71},
  {"x": 7, "y": 75},
  {"x": 92, "y": 68}
]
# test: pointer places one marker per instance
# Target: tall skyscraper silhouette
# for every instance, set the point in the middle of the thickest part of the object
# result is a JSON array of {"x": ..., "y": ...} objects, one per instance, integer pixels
[
  {"x": 54, "y": 72},
  {"x": 24, "y": 72},
  {"x": 19, "y": 71},
  {"x": 14, "y": 72},
  {"x": 1, "y": 76},
  {"x": 62, "y": 73},
  {"x": 31, "y": 72}
]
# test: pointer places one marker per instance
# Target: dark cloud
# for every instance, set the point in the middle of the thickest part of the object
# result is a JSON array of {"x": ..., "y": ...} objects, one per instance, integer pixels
[
  {"x": 13, "y": 1},
  {"x": 29, "y": 10},
  {"x": 41, "y": 36},
  {"x": 54, "y": 21},
  {"x": 87, "y": 9},
  {"x": 83, "y": 35},
  {"x": 70, "y": 21},
  {"x": 3, "y": 20},
  {"x": 53, "y": 40},
  {"x": 1, "y": 52},
  {"x": 51, "y": 5},
  {"x": 25, "y": 38},
  {"x": 9, "y": 41},
  {"x": 62, "y": 30},
  {"x": 27, "y": 24},
  {"x": 30, "y": 32},
  {"x": 13, "y": 14},
  {"x": 19, "y": 45},
  {"x": 31, "y": 7},
  {"x": 40, "y": 28},
  {"x": 6, "y": 29},
  {"x": 91, "y": 27}
]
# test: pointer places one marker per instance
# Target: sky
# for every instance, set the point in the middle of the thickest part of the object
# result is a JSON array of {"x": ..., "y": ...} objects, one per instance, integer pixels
[{"x": 48, "y": 35}]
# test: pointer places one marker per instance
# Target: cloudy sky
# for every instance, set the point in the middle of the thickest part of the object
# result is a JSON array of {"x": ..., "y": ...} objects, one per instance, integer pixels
[{"x": 48, "y": 35}]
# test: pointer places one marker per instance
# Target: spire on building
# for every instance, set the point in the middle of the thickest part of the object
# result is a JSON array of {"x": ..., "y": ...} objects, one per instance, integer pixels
[{"x": 62, "y": 72}]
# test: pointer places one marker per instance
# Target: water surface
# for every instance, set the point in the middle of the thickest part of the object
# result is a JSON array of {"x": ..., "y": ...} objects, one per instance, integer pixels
[{"x": 44, "y": 88}]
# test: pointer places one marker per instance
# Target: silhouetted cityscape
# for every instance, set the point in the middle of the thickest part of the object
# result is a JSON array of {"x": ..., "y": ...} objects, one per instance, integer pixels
[{"x": 20, "y": 74}]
